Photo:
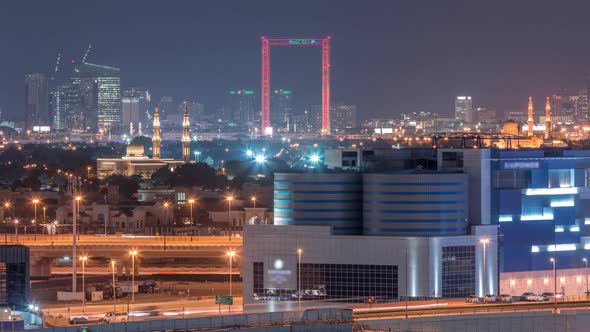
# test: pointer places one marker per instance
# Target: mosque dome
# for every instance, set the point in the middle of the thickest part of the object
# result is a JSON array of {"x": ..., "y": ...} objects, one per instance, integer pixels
[
  {"x": 510, "y": 127},
  {"x": 135, "y": 150}
]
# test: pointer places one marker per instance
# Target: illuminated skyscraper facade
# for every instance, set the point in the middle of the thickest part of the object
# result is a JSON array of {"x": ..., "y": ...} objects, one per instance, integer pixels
[
  {"x": 241, "y": 105},
  {"x": 36, "y": 100},
  {"x": 463, "y": 109},
  {"x": 100, "y": 94},
  {"x": 281, "y": 108},
  {"x": 342, "y": 117}
]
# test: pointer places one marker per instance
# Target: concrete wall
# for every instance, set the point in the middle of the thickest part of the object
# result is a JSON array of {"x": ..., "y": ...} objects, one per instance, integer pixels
[
  {"x": 315, "y": 320},
  {"x": 570, "y": 321}
]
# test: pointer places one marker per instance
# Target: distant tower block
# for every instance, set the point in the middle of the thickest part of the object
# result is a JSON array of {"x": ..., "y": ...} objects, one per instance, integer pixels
[
  {"x": 547, "y": 118},
  {"x": 156, "y": 141},
  {"x": 324, "y": 43},
  {"x": 530, "y": 121},
  {"x": 186, "y": 136}
]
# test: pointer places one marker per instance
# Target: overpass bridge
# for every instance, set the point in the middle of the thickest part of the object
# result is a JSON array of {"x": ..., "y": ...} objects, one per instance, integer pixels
[{"x": 47, "y": 248}]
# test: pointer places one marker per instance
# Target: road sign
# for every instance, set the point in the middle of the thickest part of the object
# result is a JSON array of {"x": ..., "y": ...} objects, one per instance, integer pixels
[{"x": 224, "y": 299}]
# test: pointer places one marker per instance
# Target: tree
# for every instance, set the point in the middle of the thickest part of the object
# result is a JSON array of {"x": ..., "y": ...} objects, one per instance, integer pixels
[
  {"x": 128, "y": 185},
  {"x": 163, "y": 176}
]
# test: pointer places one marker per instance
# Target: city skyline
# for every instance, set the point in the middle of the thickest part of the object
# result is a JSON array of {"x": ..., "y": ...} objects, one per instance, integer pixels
[{"x": 405, "y": 53}]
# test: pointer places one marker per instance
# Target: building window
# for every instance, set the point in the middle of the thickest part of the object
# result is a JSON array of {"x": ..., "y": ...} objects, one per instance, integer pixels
[
  {"x": 511, "y": 179},
  {"x": 345, "y": 282},
  {"x": 561, "y": 178},
  {"x": 258, "y": 285},
  {"x": 458, "y": 271},
  {"x": 180, "y": 198},
  {"x": 452, "y": 160}
]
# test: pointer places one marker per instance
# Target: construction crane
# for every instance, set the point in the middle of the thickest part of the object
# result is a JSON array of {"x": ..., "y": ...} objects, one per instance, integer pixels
[
  {"x": 87, "y": 52},
  {"x": 56, "y": 65}
]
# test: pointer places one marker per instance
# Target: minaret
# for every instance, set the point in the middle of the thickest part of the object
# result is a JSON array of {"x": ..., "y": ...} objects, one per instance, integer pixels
[
  {"x": 547, "y": 118},
  {"x": 530, "y": 121},
  {"x": 186, "y": 137},
  {"x": 130, "y": 129},
  {"x": 139, "y": 130},
  {"x": 156, "y": 139}
]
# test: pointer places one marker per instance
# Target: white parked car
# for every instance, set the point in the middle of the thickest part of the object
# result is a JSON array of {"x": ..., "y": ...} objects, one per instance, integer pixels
[
  {"x": 472, "y": 299},
  {"x": 490, "y": 298},
  {"x": 535, "y": 298},
  {"x": 112, "y": 317},
  {"x": 506, "y": 298}
]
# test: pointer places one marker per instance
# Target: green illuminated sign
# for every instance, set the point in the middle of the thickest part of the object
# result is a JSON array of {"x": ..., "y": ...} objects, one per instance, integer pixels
[
  {"x": 224, "y": 299},
  {"x": 303, "y": 41},
  {"x": 232, "y": 92},
  {"x": 249, "y": 92}
]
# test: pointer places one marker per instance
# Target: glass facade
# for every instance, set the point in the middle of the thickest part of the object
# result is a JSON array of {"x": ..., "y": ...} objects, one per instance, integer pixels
[
  {"x": 458, "y": 271},
  {"x": 345, "y": 282},
  {"x": 540, "y": 201}
]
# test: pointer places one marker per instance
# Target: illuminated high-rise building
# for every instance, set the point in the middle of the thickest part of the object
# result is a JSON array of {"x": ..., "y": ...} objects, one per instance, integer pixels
[
  {"x": 156, "y": 140},
  {"x": 342, "y": 117},
  {"x": 135, "y": 106},
  {"x": 36, "y": 100},
  {"x": 241, "y": 105},
  {"x": 186, "y": 136},
  {"x": 100, "y": 95},
  {"x": 281, "y": 108},
  {"x": 463, "y": 109}
]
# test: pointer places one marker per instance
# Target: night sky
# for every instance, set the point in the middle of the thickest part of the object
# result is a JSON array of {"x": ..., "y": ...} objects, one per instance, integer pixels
[{"x": 388, "y": 57}]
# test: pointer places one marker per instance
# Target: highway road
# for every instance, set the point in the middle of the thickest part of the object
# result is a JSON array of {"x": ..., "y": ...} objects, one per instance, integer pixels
[
  {"x": 457, "y": 307},
  {"x": 43, "y": 240}
]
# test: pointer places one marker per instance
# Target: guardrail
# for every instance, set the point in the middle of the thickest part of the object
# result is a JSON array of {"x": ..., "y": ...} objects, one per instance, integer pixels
[{"x": 57, "y": 240}]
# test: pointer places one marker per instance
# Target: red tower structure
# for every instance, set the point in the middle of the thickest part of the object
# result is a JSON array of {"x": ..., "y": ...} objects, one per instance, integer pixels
[{"x": 266, "y": 44}]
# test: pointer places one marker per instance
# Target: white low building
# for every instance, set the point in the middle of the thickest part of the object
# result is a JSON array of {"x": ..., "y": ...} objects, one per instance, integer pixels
[{"x": 353, "y": 268}]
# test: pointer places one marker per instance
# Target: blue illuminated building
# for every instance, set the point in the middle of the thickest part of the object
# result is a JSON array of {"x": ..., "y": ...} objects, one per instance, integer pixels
[{"x": 540, "y": 199}]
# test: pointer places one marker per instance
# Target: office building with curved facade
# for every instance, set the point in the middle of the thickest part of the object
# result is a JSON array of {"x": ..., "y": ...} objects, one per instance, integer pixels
[
  {"x": 316, "y": 199},
  {"x": 420, "y": 204}
]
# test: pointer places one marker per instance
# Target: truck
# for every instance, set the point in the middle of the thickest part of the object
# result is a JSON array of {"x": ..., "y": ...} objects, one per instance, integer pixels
[{"x": 127, "y": 287}]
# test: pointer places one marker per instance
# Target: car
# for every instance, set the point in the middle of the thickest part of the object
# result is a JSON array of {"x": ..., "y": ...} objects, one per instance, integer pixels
[
  {"x": 547, "y": 296},
  {"x": 112, "y": 317},
  {"x": 535, "y": 298},
  {"x": 505, "y": 298},
  {"x": 78, "y": 320},
  {"x": 524, "y": 296},
  {"x": 490, "y": 298},
  {"x": 472, "y": 299}
]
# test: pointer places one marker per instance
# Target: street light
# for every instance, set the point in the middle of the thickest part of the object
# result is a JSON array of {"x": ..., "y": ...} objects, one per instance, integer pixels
[
  {"x": 253, "y": 199},
  {"x": 198, "y": 156},
  {"x": 586, "y": 262},
  {"x": 83, "y": 259},
  {"x": 229, "y": 199},
  {"x": 113, "y": 262},
  {"x": 299, "y": 253},
  {"x": 191, "y": 202},
  {"x": 484, "y": 242},
  {"x": 552, "y": 260},
  {"x": 6, "y": 207},
  {"x": 231, "y": 254},
  {"x": 35, "y": 202},
  {"x": 15, "y": 226},
  {"x": 133, "y": 253}
]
